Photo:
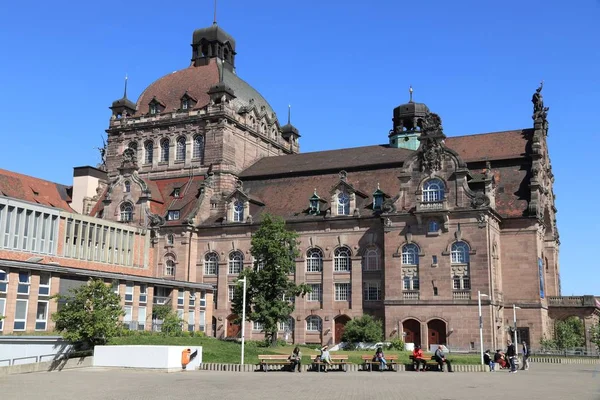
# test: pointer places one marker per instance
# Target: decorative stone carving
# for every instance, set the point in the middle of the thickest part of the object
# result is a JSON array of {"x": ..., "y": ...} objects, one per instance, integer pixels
[
  {"x": 388, "y": 222},
  {"x": 343, "y": 175},
  {"x": 432, "y": 156},
  {"x": 129, "y": 158},
  {"x": 389, "y": 205},
  {"x": 480, "y": 200},
  {"x": 154, "y": 221},
  {"x": 481, "y": 220}
]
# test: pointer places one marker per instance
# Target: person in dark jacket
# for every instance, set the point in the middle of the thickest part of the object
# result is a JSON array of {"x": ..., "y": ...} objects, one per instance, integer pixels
[
  {"x": 511, "y": 354},
  {"x": 440, "y": 357},
  {"x": 526, "y": 354},
  {"x": 487, "y": 360}
]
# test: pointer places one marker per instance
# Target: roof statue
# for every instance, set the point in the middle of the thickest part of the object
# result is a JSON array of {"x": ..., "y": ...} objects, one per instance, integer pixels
[
  {"x": 432, "y": 152},
  {"x": 102, "y": 150},
  {"x": 539, "y": 111}
]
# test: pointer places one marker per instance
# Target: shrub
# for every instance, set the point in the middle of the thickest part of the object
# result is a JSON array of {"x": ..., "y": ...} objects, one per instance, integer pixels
[
  {"x": 363, "y": 329},
  {"x": 396, "y": 344}
]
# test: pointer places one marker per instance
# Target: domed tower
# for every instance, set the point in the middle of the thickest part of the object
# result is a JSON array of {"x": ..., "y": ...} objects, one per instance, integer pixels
[
  {"x": 408, "y": 122},
  {"x": 213, "y": 42}
]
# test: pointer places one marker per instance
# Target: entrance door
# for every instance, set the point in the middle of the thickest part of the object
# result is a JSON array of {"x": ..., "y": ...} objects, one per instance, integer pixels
[
  {"x": 412, "y": 331},
  {"x": 437, "y": 332},
  {"x": 233, "y": 329},
  {"x": 340, "y": 326}
]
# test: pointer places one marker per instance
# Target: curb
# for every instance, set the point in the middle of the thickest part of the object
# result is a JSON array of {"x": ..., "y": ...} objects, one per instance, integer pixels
[
  {"x": 48, "y": 366},
  {"x": 349, "y": 368},
  {"x": 560, "y": 360}
]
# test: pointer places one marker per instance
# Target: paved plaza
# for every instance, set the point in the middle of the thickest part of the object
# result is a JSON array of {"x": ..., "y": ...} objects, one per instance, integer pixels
[{"x": 542, "y": 382}]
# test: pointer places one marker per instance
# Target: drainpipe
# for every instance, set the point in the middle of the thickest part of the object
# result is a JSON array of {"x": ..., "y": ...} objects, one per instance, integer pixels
[
  {"x": 189, "y": 255},
  {"x": 491, "y": 283}
]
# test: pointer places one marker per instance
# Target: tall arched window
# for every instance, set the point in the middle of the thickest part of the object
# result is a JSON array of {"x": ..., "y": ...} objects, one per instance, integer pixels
[
  {"x": 148, "y": 152},
  {"x": 313, "y": 323},
  {"x": 371, "y": 259},
  {"x": 314, "y": 260},
  {"x": 198, "y": 147},
  {"x": 126, "y": 212},
  {"x": 410, "y": 254},
  {"x": 164, "y": 150},
  {"x": 410, "y": 269},
  {"x": 341, "y": 259},
  {"x": 459, "y": 260},
  {"x": 343, "y": 206},
  {"x": 211, "y": 263},
  {"x": 236, "y": 262},
  {"x": 433, "y": 190},
  {"x": 170, "y": 268},
  {"x": 180, "y": 153},
  {"x": 238, "y": 211},
  {"x": 132, "y": 145},
  {"x": 127, "y": 186}
]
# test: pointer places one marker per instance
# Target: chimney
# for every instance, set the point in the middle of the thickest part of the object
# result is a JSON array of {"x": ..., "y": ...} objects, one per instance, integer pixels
[{"x": 85, "y": 182}]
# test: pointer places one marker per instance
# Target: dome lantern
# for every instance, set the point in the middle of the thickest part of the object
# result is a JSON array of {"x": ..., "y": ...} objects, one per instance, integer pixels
[{"x": 407, "y": 124}]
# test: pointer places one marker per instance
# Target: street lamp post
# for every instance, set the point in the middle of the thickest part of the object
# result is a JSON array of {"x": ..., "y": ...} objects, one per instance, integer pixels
[
  {"x": 479, "y": 294},
  {"x": 515, "y": 308},
  {"x": 243, "y": 280}
]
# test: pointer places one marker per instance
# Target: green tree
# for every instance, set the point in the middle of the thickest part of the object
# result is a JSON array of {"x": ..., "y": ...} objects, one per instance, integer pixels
[
  {"x": 89, "y": 315},
  {"x": 595, "y": 336},
  {"x": 569, "y": 333},
  {"x": 171, "y": 323},
  {"x": 363, "y": 329},
  {"x": 270, "y": 293}
]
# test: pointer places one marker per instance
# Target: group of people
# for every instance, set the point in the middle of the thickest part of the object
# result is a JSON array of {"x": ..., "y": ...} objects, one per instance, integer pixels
[
  {"x": 439, "y": 356},
  {"x": 508, "y": 359}
]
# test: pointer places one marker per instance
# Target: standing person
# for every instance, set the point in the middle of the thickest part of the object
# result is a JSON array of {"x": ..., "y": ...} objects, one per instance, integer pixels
[
  {"x": 440, "y": 357},
  {"x": 325, "y": 357},
  {"x": 526, "y": 354},
  {"x": 379, "y": 356},
  {"x": 296, "y": 359},
  {"x": 418, "y": 358},
  {"x": 511, "y": 353},
  {"x": 487, "y": 360}
]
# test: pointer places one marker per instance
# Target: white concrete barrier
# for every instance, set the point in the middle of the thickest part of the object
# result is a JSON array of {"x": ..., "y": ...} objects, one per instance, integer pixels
[{"x": 148, "y": 357}]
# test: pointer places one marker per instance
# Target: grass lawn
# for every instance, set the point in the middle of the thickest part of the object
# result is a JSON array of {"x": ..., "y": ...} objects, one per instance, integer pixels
[{"x": 219, "y": 351}]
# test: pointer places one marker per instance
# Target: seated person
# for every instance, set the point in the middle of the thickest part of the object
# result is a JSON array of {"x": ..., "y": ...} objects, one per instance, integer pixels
[
  {"x": 487, "y": 360},
  {"x": 381, "y": 358},
  {"x": 499, "y": 358},
  {"x": 325, "y": 357},
  {"x": 441, "y": 359},
  {"x": 418, "y": 358},
  {"x": 296, "y": 359}
]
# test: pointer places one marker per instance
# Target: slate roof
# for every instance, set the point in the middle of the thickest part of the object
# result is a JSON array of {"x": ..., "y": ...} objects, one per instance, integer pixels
[{"x": 35, "y": 190}]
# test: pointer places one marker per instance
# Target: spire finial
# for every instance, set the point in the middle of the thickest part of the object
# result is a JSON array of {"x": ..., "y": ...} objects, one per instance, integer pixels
[
  {"x": 410, "y": 91},
  {"x": 378, "y": 186},
  {"x": 290, "y": 116},
  {"x": 125, "y": 92},
  {"x": 215, "y": 17},
  {"x": 315, "y": 192}
]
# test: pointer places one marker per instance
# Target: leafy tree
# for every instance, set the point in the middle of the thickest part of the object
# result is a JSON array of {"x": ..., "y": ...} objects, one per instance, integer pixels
[
  {"x": 270, "y": 293},
  {"x": 595, "y": 336},
  {"x": 569, "y": 333},
  {"x": 89, "y": 315},
  {"x": 363, "y": 329},
  {"x": 171, "y": 323}
]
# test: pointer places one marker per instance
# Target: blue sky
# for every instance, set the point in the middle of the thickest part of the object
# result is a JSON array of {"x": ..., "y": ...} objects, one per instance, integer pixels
[{"x": 343, "y": 65}]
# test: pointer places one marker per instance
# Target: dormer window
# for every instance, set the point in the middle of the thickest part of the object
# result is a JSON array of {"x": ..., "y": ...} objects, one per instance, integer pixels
[
  {"x": 155, "y": 106},
  {"x": 173, "y": 215},
  {"x": 176, "y": 192},
  {"x": 154, "y": 109},
  {"x": 314, "y": 204},
  {"x": 185, "y": 104},
  {"x": 378, "y": 199}
]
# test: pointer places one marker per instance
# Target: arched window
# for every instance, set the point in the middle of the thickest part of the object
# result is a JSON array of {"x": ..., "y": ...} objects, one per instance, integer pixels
[
  {"x": 313, "y": 324},
  {"x": 170, "y": 239},
  {"x": 148, "y": 152},
  {"x": 314, "y": 260},
  {"x": 410, "y": 254},
  {"x": 236, "y": 262},
  {"x": 126, "y": 212},
  {"x": 180, "y": 153},
  {"x": 343, "y": 206},
  {"x": 459, "y": 259},
  {"x": 211, "y": 263},
  {"x": 459, "y": 253},
  {"x": 433, "y": 226},
  {"x": 127, "y": 187},
  {"x": 170, "y": 268},
  {"x": 433, "y": 190},
  {"x": 341, "y": 259},
  {"x": 132, "y": 145},
  {"x": 164, "y": 150},
  {"x": 238, "y": 211},
  {"x": 198, "y": 147},
  {"x": 371, "y": 259}
]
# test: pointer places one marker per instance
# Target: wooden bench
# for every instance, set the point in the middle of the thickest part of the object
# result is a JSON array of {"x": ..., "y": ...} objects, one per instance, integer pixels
[
  {"x": 266, "y": 360},
  {"x": 429, "y": 363},
  {"x": 391, "y": 362},
  {"x": 340, "y": 360}
]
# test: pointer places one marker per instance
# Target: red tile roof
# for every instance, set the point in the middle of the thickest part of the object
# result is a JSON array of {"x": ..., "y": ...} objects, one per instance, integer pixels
[
  {"x": 491, "y": 146},
  {"x": 34, "y": 190},
  {"x": 189, "y": 189}
]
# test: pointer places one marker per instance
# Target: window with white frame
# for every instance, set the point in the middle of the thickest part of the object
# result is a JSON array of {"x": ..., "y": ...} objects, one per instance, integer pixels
[
  {"x": 148, "y": 152},
  {"x": 371, "y": 290},
  {"x": 128, "y": 314},
  {"x": 24, "y": 282},
  {"x": 314, "y": 260},
  {"x": 202, "y": 320},
  {"x": 170, "y": 239},
  {"x": 191, "y": 321},
  {"x": 433, "y": 190},
  {"x": 170, "y": 268},
  {"x": 141, "y": 319},
  {"x": 181, "y": 297},
  {"x": 41, "y": 316},
  {"x": 211, "y": 263},
  {"x": 343, "y": 203},
  {"x": 180, "y": 150},
  {"x": 198, "y": 150},
  {"x": 115, "y": 287},
  {"x": 316, "y": 292},
  {"x": 286, "y": 326},
  {"x": 371, "y": 259},
  {"x": 129, "y": 291},
  {"x": 342, "y": 292},
  {"x": 2, "y": 312},
  {"x": 3, "y": 281},
  {"x": 341, "y": 259},
  {"x": 238, "y": 211},
  {"x": 20, "y": 315},
  {"x": 126, "y": 212},
  {"x": 164, "y": 150},
  {"x": 173, "y": 215},
  {"x": 257, "y": 326},
  {"x": 410, "y": 267},
  {"x": 236, "y": 262},
  {"x": 143, "y": 294},
  {"x": 410, "y": 254},
  {"x": 459, "y": 262},
  {"x": 259, "y": 264},
  {"x": 313, "y": 324},
  {"x": 203, "y": 299},
  {"x": 192, "y": 299},
  {"x": 231, "y": 292}
]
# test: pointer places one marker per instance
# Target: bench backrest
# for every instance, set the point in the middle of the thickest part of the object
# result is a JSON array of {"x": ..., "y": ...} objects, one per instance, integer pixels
[
  {"x": 389, "y": 358},
  {"x": 273, "y": 357},
  {"x": 332, "y": 356}
]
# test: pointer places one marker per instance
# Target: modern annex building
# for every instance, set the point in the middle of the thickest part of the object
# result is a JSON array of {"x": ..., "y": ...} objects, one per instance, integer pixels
[{"x": 409, "y": 231}]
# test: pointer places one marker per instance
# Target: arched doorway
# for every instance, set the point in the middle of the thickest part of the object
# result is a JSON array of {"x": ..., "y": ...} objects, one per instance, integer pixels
[
  {"x": 436, "y": 332},
  {"x": 412, "y": 331},
  {"x": 340, "y": 327},
  {"x": 233, "y": 328}
]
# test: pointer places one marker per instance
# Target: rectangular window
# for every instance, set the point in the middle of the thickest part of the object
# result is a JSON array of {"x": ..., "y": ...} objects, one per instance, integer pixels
[
  {"x": 26, "y": 228},
  {"x": 257, "y": 326},
  {"x": 141, "y": 318},
  {"x": 2, "y": 311},
  {"x": 53, "y": 224},
  {"x": 3, "y": 281},
  {"x": 41, "y": 316},
  {"x": 44, "y": 284},
  {"x": 7, "y": 229},
  {"x": 342, "y": 291},
  {"x": 180, "y": 297},
  {"x": 202, "y": 320},
  {"x": 44, "y": 235},
  {"x": 203, "y": 299},
  {"x": 192, "y": 299},
  {"x": 24, "y": 282},
  {"x": 34, "y": 233},
  {"x": 231, "y": 292},
  {"x": 316, "y": 292},
  {"x": 128, "y": 313},
  {"x": 143, "y": 294},
  {"x": 20, "y": 315},
  {"x": 191, "y": 321},
  {"x": 371, "y": 291},
  {"x": 129, "y": 291},
  {"x": 115, "y": 287},
  {"x": 173, "y": 215},
  {"x": 18, "y": 225}
]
